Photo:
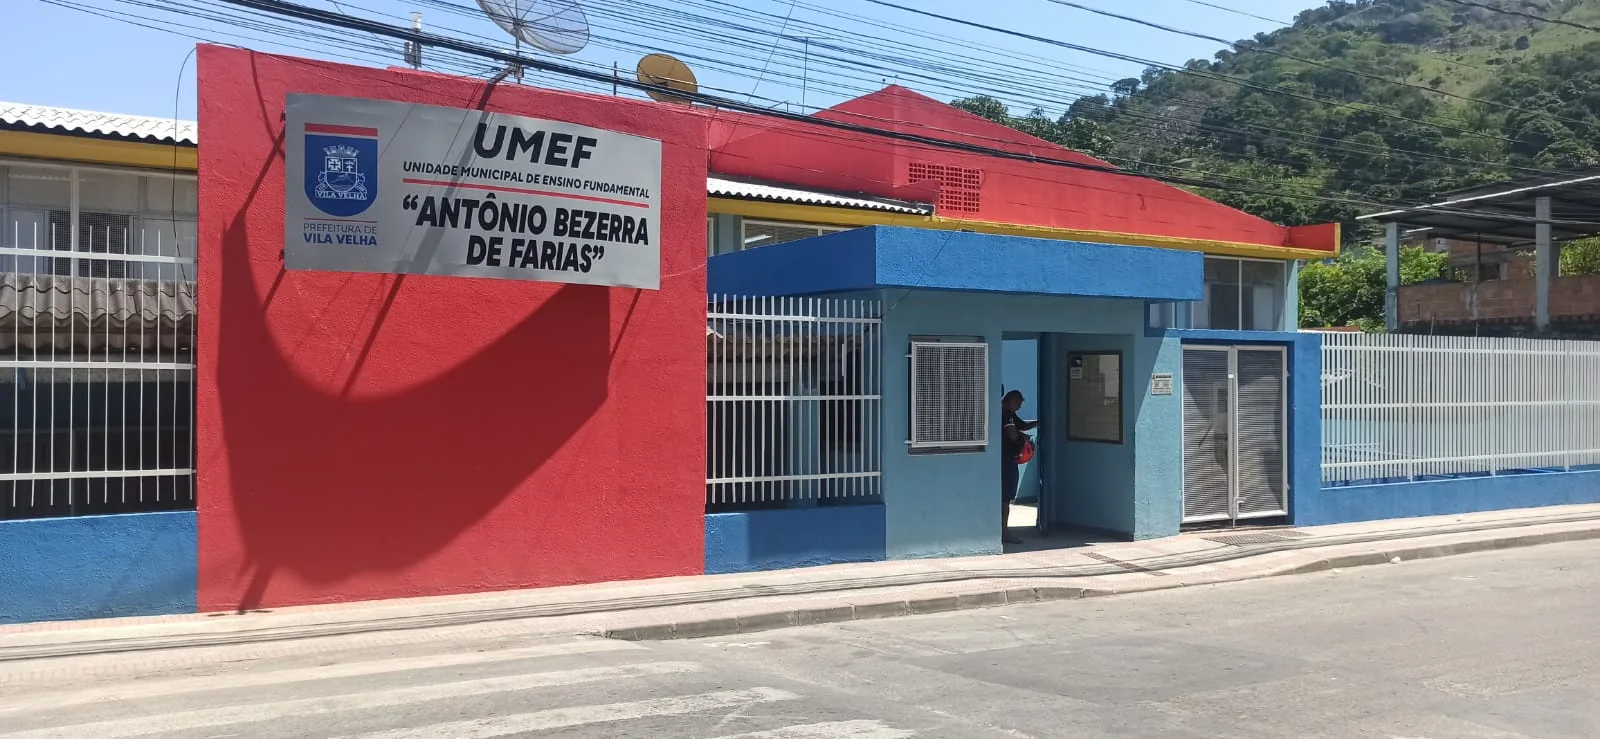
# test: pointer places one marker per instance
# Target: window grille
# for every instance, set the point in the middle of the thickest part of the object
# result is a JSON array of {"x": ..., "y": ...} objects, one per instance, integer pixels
[
  {"x": 949, "y": 395},
  {"x": 97, "y": 308}
]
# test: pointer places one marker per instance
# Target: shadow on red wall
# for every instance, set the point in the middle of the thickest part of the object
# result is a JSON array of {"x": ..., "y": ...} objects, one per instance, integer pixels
[{"x": 385, "y": 436}]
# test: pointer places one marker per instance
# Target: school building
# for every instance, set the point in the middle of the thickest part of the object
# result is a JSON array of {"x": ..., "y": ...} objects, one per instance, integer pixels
[{"x": 198, "y": 421}]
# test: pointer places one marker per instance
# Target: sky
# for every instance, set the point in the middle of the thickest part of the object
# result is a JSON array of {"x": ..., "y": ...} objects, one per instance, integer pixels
[{"x": 101, "y": 59}]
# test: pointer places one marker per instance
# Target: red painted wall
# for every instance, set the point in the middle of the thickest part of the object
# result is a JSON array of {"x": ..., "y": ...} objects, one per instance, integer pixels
[
  {"x": 1013, "y": 191},
  {"x": 373, "y": 436}
]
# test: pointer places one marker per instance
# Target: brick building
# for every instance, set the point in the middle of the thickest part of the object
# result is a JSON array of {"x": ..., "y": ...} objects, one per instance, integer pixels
[{"x": 1504, "y": 247}]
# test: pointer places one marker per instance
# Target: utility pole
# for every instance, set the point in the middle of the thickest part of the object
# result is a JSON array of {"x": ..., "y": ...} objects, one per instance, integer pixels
[
  {"x": 413, "y": 48},
  {"x": 805, "y": 68}
]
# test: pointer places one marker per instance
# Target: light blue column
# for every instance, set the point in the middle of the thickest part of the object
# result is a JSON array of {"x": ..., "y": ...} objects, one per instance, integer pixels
[
  {"x": 1157, "y": 438},
  {"x": 1291, "y": 298}
]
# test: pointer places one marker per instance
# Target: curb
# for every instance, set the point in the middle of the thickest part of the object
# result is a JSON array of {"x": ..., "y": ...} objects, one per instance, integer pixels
[
  {"x": 1010, "y": 594},
  {"x": 1016, "y": 596}
]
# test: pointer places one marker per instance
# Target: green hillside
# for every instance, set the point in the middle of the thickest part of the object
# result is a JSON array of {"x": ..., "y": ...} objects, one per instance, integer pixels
[{"x": 1359, "y": 104}]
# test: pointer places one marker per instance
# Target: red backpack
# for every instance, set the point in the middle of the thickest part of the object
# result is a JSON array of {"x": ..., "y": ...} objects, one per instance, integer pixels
[{"x": 1027, "y": 450}]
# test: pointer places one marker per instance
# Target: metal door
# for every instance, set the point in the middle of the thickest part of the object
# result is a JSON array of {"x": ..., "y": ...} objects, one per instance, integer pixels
[{"x": 1234, "y": 436}]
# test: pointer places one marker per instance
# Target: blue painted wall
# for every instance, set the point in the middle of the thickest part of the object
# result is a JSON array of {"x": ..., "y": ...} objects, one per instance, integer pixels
[
  {"x": 1133, "y": 488},
  {"x": 949, "y": 504},
  {"x": 1158, "y": 427},
  {"x": 1093, "y": 485},
  {"x": 800, "y": 537},
  {"x": 1445, "y": 497},
  {"x": 55, "y": 569},
  {"x": 888, "y": 257}
]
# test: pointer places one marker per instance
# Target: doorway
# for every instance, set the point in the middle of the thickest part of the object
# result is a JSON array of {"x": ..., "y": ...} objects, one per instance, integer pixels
[{"x": 1235, "y": 419}]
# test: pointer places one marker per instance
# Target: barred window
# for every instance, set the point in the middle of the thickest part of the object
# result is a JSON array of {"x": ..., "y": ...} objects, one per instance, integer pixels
[{"x": 949, "y": 395}]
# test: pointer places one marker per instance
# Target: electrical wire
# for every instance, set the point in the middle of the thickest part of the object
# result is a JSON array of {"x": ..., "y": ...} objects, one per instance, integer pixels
[
  {"x": 1257, "y": 48},
  {"x": 1185, "y": 181},
  {"x": 1525, "y": 14},
  {"x": 1240, "y": 12},
  {"x": 1245, "y": 84},
  {"x": 635, "y": 22}
]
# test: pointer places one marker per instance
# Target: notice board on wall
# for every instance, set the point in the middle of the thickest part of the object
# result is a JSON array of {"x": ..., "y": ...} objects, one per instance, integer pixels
[{"x": 1094, "y": 397}]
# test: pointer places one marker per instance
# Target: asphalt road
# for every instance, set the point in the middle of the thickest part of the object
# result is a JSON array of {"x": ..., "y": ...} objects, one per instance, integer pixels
[{"x": 1492, "y": 645}]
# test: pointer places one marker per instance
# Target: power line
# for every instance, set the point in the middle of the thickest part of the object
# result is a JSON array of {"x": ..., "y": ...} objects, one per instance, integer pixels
[
  {"x": 459, "y": 50},
  {"x": 1524, "y": 14},
  {"x": 1331, "y": 149},
  {"x": 1240, "y": 12},
  {"x": 1247, "y": 47},
  {"x": 1182, "y": 70},
  {"x": 663, "y": 17},
  {"x": 281, "y": 7}
]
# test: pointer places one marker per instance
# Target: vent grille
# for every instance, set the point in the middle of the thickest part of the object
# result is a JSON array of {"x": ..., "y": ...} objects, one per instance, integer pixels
[
  {"x": 960, "y": 188},
  {"x": 949, "y": 395}
]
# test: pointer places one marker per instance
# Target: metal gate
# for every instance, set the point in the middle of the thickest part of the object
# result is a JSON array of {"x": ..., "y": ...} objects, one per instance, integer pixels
[{"x": 1235, "y": 417}]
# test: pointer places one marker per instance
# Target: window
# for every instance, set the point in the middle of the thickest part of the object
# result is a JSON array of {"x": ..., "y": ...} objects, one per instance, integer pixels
[
  {"x": 97, "y": 266},
  {"x": 767, "y": 233},
  {"x": 949, "y": 395},
  {"x": 1242, "y": 294},
  {"x": 1094, "y": 397}
]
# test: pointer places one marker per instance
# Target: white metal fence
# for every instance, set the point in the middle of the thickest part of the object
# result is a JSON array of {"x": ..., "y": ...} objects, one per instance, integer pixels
[
  {"x": 1407, "y": 407},
  {"x": 97, "y": 360},
  {"x": 793, "y": 401}
]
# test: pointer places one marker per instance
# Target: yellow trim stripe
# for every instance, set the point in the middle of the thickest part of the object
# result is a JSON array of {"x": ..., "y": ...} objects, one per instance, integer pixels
[
  {"x": 84, "y": 150},
  {"x": 854, "y": 217}
]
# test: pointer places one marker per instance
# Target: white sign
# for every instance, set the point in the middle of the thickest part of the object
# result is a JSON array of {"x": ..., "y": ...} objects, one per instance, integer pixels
[
  {"x": 397, "y": 188},
  {"x": 1161, "y": 384}
]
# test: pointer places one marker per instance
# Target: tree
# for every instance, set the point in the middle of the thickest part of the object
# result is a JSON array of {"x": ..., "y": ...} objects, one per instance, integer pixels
[
  {"x": 1581, "y": 257},
  {"x": 984, "y": 106},
  {"x": 1349, "y": 291}
]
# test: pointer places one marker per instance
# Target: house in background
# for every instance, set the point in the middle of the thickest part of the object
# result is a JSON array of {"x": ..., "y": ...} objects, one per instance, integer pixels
[{"x": 1498, "y": 252}]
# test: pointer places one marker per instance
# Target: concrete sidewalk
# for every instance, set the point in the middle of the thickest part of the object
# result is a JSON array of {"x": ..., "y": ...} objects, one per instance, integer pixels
[{"x": 698, "y": 606}]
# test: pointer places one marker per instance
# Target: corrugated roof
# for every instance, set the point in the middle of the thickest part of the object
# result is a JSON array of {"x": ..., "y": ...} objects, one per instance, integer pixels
[
  {"x": 45, "y": 119},
  {"x": 719, "y": 187}
]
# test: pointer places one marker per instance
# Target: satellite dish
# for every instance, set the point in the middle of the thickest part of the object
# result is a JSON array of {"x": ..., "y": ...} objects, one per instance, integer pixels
[
  {"x": 667, "y": 71},
  {"x": 556, "y": 26}
]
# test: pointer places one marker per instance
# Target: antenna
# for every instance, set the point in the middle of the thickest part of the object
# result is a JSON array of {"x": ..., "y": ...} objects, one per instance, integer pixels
[
  {"x": 556, "y": 26},
  {"x": 665, "y": 70}
]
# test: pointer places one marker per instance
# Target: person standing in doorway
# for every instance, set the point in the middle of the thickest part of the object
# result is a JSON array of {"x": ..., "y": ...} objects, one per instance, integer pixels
[{"x": 1011, "y": 445}]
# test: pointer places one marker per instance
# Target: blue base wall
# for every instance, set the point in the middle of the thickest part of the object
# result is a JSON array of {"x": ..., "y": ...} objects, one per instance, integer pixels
[
  {"x": 1332, "y": 505},
  {"x": 795, "y": 537},
  {"x": 57, "y": 569}
]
